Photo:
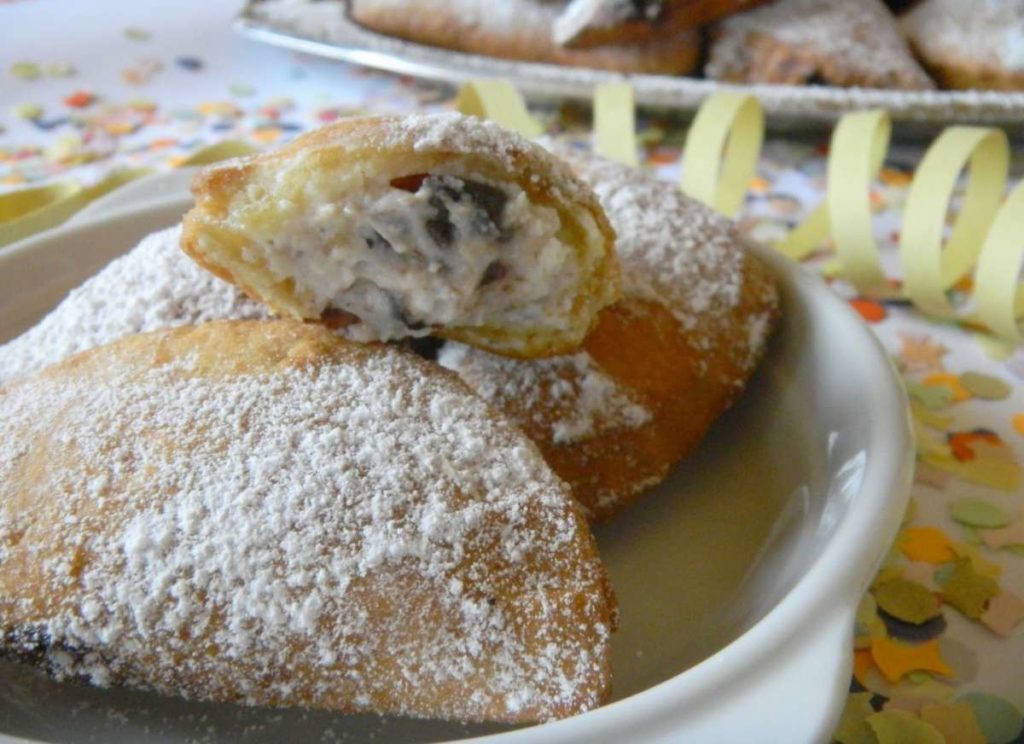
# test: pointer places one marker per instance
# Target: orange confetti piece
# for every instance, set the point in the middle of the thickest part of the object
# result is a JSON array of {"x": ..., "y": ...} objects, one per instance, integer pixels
[
  {"x": 895, "y": 659},
  {"x": 927, "y": 545},
  {"x": 80, "y": 99},
  {"x": 1018, "y": 423},
  {"x": 950, "y": 381},
  {"x": 956, "y": 722},
  {"x": 960, "y": 444},
  {"x": 869, "y": 310},
  {"x": 1004, "y": 612},
  {"x": 862, "y": 664},
  {"x": 921, "y": 354}
]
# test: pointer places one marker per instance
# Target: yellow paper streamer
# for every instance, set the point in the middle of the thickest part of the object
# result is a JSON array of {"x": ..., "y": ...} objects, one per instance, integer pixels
[
  {"x": 999, "y": 301},
  {"x": 614, "y": 123},
  {"x": 30, "y": 211},
  {"x": 928, "y": 269},
  {"x": 499, "y": 101},
  {"x": 859, "y": 146},
  {"x": 18, "y": 204},
  {"x": 219, "y": 151},
  {"x": 48, "y": 212},
  {"x": 722, "y": 149}
]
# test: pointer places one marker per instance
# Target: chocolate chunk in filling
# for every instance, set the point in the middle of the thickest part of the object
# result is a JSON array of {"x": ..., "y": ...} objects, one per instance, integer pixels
[
  {"x": 495, "y": 271},
  {"x": 489, "y": 203}
]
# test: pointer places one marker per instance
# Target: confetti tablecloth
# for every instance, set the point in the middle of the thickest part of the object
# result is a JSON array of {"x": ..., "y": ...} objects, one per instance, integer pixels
[{"x": 88, "y": 88}]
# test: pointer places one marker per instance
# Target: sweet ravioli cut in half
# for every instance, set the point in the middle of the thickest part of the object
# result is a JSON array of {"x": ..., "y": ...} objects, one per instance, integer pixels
[
  {"x": 394, "y": 227},
  {"x": 260, "y": 512},
  {"x": 661, "y": 364}
]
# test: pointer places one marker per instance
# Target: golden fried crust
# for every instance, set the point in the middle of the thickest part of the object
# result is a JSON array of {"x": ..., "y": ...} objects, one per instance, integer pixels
[
  {"x": 660, "y": 365},
  {"x": 807, "y": 42},
  {"x": 229, "y": 512},
  {"x": 243, "y": 197},
  {"x": 643, "y": 348},
  {"x": 521, "y": 30}
]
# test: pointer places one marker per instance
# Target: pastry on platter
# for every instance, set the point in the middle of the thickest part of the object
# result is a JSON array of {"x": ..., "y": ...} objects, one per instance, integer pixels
[
  {"x": 523, "y": 30},
  {"x": 830, "y": 42},
  {"x": 391, "y": 227},
  {"x": 589, "y": 23},
  {"x": 153, "y": 286},
  {"x": 263, "y": 513},
  {"x": 969, "y": 43},
  {"x": 660, "y": 366}
]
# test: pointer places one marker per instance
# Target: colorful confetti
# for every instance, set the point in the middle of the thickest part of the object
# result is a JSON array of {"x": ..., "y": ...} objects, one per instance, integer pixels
[
  {"x": 192, "y": 64},
  {"x": 956, "y": 722},
  {"x": 969, "y": 591},
  {"x": 999, "y": 720},
  {"x": 985, "y": 387},
  {"x": 895, "y": 659},
  {"x": 907, "y": 601},
  {"x": 901, "y": 727},
  {"x": 927, "y": 545},
  {"x": 25, "y": 70},
  {"x": 978, "y": 513},
  {"x": 1005, "y": 611}
]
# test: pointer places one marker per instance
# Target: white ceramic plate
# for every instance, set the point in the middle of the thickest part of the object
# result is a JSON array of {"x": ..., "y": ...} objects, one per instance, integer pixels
[
  {"x": 322, "y": 28},
  {"x": 737, "y": 578}
]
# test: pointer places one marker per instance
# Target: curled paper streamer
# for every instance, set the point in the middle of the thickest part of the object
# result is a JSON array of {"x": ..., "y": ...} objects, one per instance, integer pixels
[
  {"x": 27, "y": 212},
  {"x": 722, "y": 149},
  {"x": 859, "y": 145},
  {"x": 998, "y": 298},
  {"x": 499, "y": 101},
  {"x": 614, "y": 124},
  {"x": 24, "y": 213},
  {"x": 856, "y": 154},
  {"x": 929, "y": 270}
]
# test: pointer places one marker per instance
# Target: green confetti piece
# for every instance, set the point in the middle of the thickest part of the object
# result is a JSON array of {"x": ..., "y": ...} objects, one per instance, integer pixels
[
  {"x": 28, "y": 111},
  {"x": 985, "y": 387},
  {"x": 942, "y": 573},
  {"x": 907, "y": 600},
  {"x": 932, "y": 397},
  {"x": 135, "y": 33},
  {"x": 901, "y": 727},
  {"x": 853, "y": 729},
  {"x": 999, "y": 719},
  {"x": 975, "y": 512},
  {"x": 917, "y": 677},
  {"x": 25, "y": 70},
  {"x": 241, "y": 90},
  {"x": 969, "y": 591},
  {"x": 60, "y": 69},
  {"x": 971, "y": 536}
]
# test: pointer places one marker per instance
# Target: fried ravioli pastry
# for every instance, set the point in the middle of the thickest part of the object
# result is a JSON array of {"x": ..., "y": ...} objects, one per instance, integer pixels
[{"x": 260, "y": 512}]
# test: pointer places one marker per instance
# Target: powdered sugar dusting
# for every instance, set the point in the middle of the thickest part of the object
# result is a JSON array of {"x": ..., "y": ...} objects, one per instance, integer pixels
[
  {"x": 986, "y": 32},
  {"x": 673, "y": 250},
  {"x": 356, "y": 532},
  {"x": 152, "y": 287},
  {"x": 858, "y": 35},
  {"x": 455, "y": 132},
  {"x": 570, "y": 394}
]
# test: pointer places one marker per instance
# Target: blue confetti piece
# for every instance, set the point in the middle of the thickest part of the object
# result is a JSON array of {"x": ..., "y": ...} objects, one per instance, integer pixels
[{"x": 191, "y": 64}]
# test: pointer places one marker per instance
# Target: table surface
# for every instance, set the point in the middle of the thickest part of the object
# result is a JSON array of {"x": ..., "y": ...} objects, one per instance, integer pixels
[{"x": 86, "y": 88}]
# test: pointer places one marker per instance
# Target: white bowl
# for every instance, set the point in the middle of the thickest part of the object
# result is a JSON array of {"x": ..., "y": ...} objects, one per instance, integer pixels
[{"x": 737, "y": 579}]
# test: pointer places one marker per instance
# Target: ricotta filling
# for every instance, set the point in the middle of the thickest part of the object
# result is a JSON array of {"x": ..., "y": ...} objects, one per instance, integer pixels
[{"x": 404, "y": 256}]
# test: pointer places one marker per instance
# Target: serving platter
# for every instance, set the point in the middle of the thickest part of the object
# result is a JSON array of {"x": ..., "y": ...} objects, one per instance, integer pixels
[
  {"x": 737, "y": 578},
  {"x": 322, "y": 28}
]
